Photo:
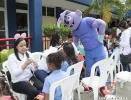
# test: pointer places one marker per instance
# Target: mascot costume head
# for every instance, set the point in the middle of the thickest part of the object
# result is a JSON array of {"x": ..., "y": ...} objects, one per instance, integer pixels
[{"x": 70, "y": 19}]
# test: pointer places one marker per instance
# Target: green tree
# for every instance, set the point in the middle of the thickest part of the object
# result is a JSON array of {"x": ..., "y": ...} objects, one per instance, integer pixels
[
  {"x": 106, "y": 6},
  {"x": 123, "y": 8}
]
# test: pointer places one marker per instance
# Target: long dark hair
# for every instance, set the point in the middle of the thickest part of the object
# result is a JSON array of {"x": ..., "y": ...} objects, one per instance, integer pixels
[
  {"x": 55, "y": 40},
  {"x": 123, "y": 24},
  {"x": 3, "y": 86},
  {"x": 70, "y": 53},
  {"x": 15, "y": 49}
]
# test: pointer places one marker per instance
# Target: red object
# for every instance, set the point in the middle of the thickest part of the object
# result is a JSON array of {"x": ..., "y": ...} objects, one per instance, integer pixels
[
  {"x": 106, "y": 36},
  {"x": 6, "y": 40},
  {"x": 102, "y": 91},
  {"x": 87, "y": 89},
  {"x": 81, "y": 58},
  {"x": 113, "y": 35}
]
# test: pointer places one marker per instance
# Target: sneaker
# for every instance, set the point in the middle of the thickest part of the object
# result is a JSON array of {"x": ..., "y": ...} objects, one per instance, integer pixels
[
  {"x": 103, "y": 91},
  {"x": 85, "y": 89}
]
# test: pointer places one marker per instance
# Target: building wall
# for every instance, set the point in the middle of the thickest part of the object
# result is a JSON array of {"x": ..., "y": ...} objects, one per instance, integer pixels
[
  {"x": 87, "y": 2},
  {"x": 48, "y": 20}
]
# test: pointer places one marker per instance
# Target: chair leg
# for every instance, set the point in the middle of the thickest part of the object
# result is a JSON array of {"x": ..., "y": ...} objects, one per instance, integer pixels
[
  {"x": 79, "y": 96},
  {"x": 121, "y": 84},
  {"x": 95, "y": 90},
  {"x": 111, "y": 75}
]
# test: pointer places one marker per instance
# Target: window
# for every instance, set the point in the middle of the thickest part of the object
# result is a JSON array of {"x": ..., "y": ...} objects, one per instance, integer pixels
[
  {"x": 2, "y": 3},
  {"x": 21, "y": 6},
  {"x": 44, "y": 11},
  {"x": 2, "y": 25},
  {"x": 2, "y": 28},
  {"x": 50, "y": 11},
  {"x": 21, "y": 22}
]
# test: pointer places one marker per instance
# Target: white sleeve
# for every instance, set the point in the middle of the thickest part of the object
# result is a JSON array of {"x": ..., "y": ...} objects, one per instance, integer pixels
[
  {"x": 118, "y": 31},
  {"x": 42, "y": 65},
  {"x": 76, "y": 50},
  {"x": 125, "y": 40},
  {"x": 14, "y": 69}
]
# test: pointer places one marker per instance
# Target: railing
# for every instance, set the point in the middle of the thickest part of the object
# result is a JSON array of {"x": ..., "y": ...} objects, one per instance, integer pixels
[
  {"x": 46, "y": 42},
  {"x": 6, "y": 44}
]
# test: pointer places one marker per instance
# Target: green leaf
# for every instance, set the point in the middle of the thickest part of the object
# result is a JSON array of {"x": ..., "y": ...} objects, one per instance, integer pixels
[{"x": 49, "y": 30}]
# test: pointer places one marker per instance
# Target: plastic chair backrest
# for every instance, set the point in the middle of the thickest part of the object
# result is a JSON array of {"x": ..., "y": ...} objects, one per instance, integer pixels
[
  {"x": 77, "y": 68},
  {"x": 129, "y": 78},
  {"x": 5, "y": 70},
  {"x": 105, "y": 67},
  {"x": 116, "y": 56},
  {"x": 36, "y": 56},
  {"x": 66, "y": 85}
]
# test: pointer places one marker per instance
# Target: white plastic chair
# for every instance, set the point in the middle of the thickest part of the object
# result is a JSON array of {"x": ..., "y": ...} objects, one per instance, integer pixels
[
  {"x": 77, "y": 69},
  {"x": 66, "y": 85},
  {"x": 36, "y": 56},
  {"x": 116, "y": 63},
  {"x": 98, "y": 81},
  {"x": 5, "y": 70},
  {"x": 123, "y": 76}
]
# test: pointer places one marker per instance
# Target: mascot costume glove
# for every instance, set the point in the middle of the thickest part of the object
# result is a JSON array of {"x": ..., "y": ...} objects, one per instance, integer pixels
[
  {"x": 81, "y": 49},
  {"x": 100, "y": 38}
]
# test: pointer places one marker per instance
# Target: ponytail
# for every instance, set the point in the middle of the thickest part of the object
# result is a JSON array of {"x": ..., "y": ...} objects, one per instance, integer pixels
[
  {"x": 10, "y": 93},
  {"x": 3, "y": 86}
]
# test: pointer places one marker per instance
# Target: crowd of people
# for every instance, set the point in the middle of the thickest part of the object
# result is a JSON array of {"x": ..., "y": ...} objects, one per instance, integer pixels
[{"x": 32, "y": 78}]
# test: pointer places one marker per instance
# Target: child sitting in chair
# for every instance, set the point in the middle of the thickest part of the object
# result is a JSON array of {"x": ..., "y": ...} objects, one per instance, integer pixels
[{"x": 54, "y": 61}]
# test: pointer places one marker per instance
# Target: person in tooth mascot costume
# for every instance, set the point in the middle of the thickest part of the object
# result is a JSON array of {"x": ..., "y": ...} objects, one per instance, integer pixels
[{"x": 90, "y": 31}]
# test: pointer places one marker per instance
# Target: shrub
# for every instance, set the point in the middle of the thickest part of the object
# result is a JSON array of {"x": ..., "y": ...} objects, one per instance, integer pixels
[
  {"x": 4, "y": 56},
  {"x": 49, "y": 30}
]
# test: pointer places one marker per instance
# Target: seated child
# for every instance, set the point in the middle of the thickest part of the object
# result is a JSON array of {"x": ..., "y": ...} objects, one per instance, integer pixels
[
  {"x": 71, "y": 58},
  {"x": 54, "y": 61}
]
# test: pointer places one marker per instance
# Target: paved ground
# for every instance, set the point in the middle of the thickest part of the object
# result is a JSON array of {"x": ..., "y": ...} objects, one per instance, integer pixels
[{"x": 121, "y": 93}]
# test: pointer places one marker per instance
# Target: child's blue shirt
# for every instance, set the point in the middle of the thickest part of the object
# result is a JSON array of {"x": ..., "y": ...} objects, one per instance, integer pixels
[
  {"x": 64, "y": 67},
  {"x": 52, "y": 78}
]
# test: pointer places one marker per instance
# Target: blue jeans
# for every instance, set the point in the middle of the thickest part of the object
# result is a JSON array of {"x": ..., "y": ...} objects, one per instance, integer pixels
[
  {"x": 41, "y": 75},
  {"x": 92, "y": 56},
  {"x": 126, "y": 67}
]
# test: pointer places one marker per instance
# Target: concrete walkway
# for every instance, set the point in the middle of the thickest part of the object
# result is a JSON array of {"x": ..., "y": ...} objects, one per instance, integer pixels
[{"x": 121, "y": 93}]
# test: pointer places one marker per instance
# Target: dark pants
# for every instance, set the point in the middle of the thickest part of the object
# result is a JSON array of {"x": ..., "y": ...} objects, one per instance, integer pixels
[
  {"x": 126, "y": 67},
  {"x": 41, "y": 75},
  {"x": 27, "y": 88}
]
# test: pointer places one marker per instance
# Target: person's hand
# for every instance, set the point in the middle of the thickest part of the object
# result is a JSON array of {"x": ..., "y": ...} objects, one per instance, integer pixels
[
  {"x": 1, "y": 74},
  {"x": 28, "y": 61},
  {"x": 116, "y": 43},
  {"x": 100, "y": 38},
  {"x": 35, "y": 64}
]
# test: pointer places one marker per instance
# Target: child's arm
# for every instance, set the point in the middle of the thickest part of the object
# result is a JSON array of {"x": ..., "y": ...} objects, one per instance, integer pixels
[{"x": 46, "y": 96}]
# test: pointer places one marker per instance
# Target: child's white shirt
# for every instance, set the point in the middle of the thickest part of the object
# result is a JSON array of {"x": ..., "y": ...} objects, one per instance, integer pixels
[{"x": 42, "y": 63}]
